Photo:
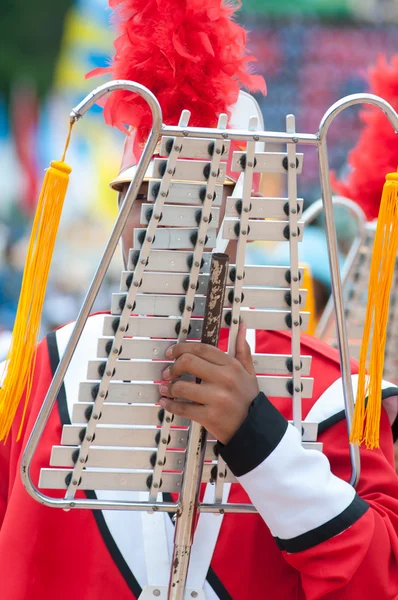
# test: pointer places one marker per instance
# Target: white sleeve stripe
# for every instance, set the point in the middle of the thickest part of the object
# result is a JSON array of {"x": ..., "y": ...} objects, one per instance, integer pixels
[
  {"x": 294, "y": 490},
  {"x": 331, "y": 402},
  {"x": 389, "y": 397}
]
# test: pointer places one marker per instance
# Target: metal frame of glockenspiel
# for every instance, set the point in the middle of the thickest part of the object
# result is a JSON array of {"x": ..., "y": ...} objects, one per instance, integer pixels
[{"x": 291, "y": 138}]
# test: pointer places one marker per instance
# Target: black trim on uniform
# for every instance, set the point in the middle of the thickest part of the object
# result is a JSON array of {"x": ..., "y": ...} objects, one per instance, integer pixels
[
  {"x": 218, "y": 588},
  {"x": 256, "y": 438},
  {"x": 330, "y": 421},
  {"x": 54, "y": 362},
  {"x": 340, "y": 416},
  {"x": 388, "y": 393},
  {"x": 394, "y": 430},
  {"x": 106, "y": 535},
  {"x": 335, "y": 526},
  {"x": 212, "y": 579}
]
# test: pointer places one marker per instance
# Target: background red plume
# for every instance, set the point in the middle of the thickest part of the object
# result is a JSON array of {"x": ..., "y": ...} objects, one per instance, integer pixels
[
  {"x": 189, "y": 53},
  {"x": 376, "y": 153}
]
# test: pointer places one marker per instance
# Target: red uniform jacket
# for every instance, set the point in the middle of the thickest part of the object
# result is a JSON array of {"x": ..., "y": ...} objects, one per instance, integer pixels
[{"x": 314, "y": 537}]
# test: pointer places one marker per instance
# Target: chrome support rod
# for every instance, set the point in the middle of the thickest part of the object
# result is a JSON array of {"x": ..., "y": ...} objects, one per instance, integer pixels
[
  {"x": 345, "y": 366},
  {"x": 271, "y": 137},
  {"x": 338, "y": 306},
  {"x": 352, "y": 100},
  {"x": 100, "y": 273},
  {"x": 167, "y": 507},
  {"x": 119, "y": 85},
  {"x": 228, "y": 508}
]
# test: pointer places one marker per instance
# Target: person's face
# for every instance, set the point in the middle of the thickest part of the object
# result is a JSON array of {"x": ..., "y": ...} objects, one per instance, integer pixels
[{"x": 134, "y": 218}]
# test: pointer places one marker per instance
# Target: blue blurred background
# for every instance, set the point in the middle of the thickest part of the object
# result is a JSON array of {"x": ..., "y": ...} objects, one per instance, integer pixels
[{"x": 311, "y": 52}]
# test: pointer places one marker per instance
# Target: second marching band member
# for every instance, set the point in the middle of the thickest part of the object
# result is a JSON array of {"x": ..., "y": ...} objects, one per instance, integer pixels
[{"x": 314, "y": 537}]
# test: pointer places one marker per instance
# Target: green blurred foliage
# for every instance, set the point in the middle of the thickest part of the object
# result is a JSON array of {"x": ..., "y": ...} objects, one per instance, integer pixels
[
  {"x": 30, "y": 36},
  {"x": 337, "y": 9}
]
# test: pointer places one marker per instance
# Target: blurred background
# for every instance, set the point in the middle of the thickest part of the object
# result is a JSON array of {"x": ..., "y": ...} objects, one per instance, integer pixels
[{"x": 311, "y": 52}]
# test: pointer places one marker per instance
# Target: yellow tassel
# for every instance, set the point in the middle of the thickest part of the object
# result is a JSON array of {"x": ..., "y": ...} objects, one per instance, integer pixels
[
  {"x": 22, "y": 354},
  {"x": 366, "y": 422}
]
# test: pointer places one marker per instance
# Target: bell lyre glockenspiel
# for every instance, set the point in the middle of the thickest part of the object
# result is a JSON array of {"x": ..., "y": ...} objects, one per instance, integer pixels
[{"x": 136, "y": 456}]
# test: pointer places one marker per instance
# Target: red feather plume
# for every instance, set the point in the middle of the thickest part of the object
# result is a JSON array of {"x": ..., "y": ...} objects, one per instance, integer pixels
[
  {"x": 189, "y": 53},
  {"x": 376, "y": 153}
]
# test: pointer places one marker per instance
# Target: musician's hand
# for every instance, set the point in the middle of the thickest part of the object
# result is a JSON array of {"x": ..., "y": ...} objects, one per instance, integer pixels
[{"x": 229, "y": 385}]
